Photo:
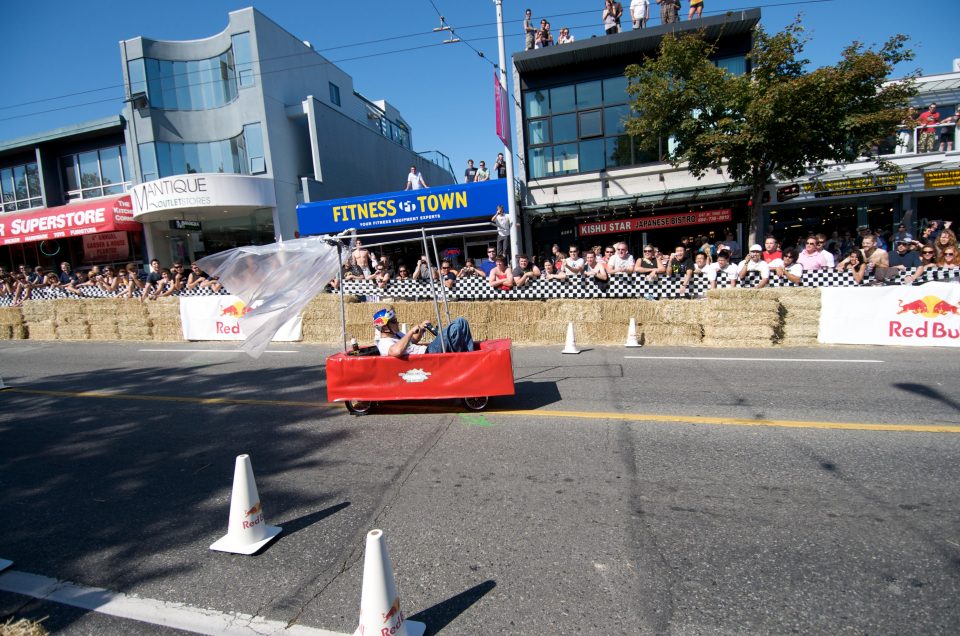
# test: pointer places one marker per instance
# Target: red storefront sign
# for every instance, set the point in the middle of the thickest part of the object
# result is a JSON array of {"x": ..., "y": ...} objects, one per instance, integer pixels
[
  {"x": 78, "y": 219},
  {"x": 656, "y": 222}
]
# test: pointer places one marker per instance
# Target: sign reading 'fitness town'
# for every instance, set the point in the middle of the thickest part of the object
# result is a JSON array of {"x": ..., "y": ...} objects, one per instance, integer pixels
[
  {"x": 191, "y": 191},
  {"x": 656, "y": 222},
  {"x": 390, "y": 209}
]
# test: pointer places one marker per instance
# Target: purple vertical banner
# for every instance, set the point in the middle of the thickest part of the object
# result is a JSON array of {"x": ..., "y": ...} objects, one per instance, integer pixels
[{"x": 503, "y": 115}]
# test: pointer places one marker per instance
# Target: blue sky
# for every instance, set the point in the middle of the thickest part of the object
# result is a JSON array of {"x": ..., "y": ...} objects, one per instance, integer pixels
[{"x": 63, "y": 55}]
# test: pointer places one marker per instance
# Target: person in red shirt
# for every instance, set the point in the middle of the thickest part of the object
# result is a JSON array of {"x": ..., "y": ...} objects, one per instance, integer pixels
[
  {"x": 771, "y": 250},
  {"x": 928, "y": 134}
]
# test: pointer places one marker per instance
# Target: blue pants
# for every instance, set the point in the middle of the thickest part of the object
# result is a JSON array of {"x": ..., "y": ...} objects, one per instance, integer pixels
[{"x": 457, "y": 337}]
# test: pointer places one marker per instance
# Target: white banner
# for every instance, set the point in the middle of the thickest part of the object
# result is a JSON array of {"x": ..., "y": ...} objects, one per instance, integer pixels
[
  {"x": 916, "y": 316},
  {"x": 216, "y": 318}
]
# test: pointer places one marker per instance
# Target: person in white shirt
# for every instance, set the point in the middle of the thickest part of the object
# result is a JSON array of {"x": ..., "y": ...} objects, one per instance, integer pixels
[
  {"x": 639, "y": 13},
  {"x": 722, "y": 266},
  {"x": 622, "y": 261},
  {"x": 482, "y": 173},
  {"x": 827, "y": 254},
  {"x": 754, "y": 263},
  {"x": 565, "y": 37},
  {"x": 789, "y": 268},
  {"x": 573, "y": 264},
  {"x": 502, "y": 221},
  {"x": 414, "y": 180}
]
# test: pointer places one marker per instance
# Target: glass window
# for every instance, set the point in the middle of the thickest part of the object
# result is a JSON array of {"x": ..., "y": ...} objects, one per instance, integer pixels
[
  {"x": 536, "y": 103},
  {"x": 539, "y": 159},
  {"x": 68, "y": 170},
  {"x": 618, "y": 151},
  {"x": 33, "y": 180},
  {"x": 137, "y": 75},
  {"x": 154, "y": 85},
  {"x": 9, "y": 192},
  {"x": 148, "y": 162},
  {"x": 168, "y": 87},
  {"x": 334, "y": 94},
  {"x": 253, "y": 138},
  {"x": 613, "y": 119},
  {"x": 591, "y": 124},
  {"x": 110, "y": 166},
  {"x": 736, "y": 65},
  {"x": 20, "y": 187},
  {"x": 243, "y": 57},
  {"x": 181, "y": 79},
  {"x": 589, "y": 94},
  {"x": 89, "y": 170},
  {"x": 565, "y": 127},
  {"x": 592, "y": 155},
  {"x": 615, "y": 90},
  {"x": 188, "y": 85},
  {"x": 562, "y": 99},
  {"x": 539, "y": 132},
  {"x": 565, "y": 159}
]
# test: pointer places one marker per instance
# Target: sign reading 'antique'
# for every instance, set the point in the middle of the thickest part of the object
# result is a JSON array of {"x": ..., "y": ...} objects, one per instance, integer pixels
[{"x": 656, "y": 222}]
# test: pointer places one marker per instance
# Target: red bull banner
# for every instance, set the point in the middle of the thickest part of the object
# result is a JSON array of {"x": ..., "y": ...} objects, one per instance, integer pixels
[
  {"x": 218, "y": 318},
  {"x": 927, "y": 315}
]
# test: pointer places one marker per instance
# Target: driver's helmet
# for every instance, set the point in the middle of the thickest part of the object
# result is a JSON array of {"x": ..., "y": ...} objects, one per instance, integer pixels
[{"x": 382, "y": 317}]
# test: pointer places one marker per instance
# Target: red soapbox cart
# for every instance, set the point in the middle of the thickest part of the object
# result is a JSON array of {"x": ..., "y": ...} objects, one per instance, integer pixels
[{"x": 360, "y": 381}]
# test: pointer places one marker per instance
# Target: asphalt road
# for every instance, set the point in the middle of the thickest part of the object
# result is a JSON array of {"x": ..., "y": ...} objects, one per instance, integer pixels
[{"x": 621, "y": 491}]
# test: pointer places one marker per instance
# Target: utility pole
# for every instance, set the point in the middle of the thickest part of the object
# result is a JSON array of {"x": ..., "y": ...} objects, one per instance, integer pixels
[{"x": 508, "y": 147}]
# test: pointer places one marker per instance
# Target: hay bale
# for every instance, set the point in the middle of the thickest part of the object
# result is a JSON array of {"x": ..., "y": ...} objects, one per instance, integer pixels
[
  {"x": 163, "y": 307},
  {"x": 738, "y": 332},
  {"x": 37, "y": 311},
  {"x": 800, "y": 298},
  {"x": 802, "y": 330},
  {"x": 6, "y": 332},
  {"x": 801, "y": 316},
  {"x": 11, "y": 316},
  {"x": 130, "y": 310},
  {"x": 744, "y": 293},
  {"x": 744, "y": 343},
  {"x": 104, "y": 330},
  {"x": 742, "y": 318},
  {"x": 565, "y": 310},
  {"x": 42, "y": 330},
  {"x": 134, "y": 331},
  {"x": 742, "y": 305},
  {"x": 621, "y": 311},
  {"x": 659, "y": 334},
  {"x": 679, "y": 312},
  {"x": 73, "y": 332},
  {"x": 799, "y": 341}
]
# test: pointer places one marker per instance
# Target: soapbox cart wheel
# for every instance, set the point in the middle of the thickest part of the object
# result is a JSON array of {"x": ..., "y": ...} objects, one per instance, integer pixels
[
  {"x": 476, "y": 403},
  {"x": 358, "y": 407}
]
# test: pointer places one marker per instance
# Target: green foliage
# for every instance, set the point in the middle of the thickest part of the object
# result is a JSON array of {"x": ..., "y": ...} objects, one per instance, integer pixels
[{"x": 778, "y": 120}]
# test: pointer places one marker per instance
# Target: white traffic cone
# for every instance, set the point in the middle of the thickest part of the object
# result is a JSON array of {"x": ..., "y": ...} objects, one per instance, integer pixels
[
  {"x": 632, "y": 335},
  {"x": 571, "y": 346},
  {"x": 379, "y": 602},
  {"x": 247, "y": 531},
  {"x": 4, "y": 564}
]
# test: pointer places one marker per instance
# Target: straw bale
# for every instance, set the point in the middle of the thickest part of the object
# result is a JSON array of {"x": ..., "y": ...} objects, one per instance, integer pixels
[
  {"x": 566, "y": 309},
  {"x": 550, "y": 332},
  {"x": 104, "y": 330},
  {"x": 70, "y": 319},
  {"x": 744, "y": 343},
  {"x": 68, "y": 307},
  {"x": 11, "y": 316},
  {"x": 73, "y": 332},
  {"x": 20, "y": 332},
  {"x": 719, "y": 332},
  {"x": 799, "y": 341},
  {"x": 802, "y": 330},
  {"x": 133, "y": 331},
  {"x": 742, "y": 305},
  {"x": 801, "y": 316},
  {"x": 659, "y": 334},
  {"x": 130, "y": 309},
  {"x": 42, "y": 330},
  {"x": 601, "y": 333},
  {"x": 617, "y": 311},
  {"x": 679, "y": 312},
  {"x": 800, "y": 297},
  {"x": 742, "y": 318},
  {"x": 744, "y": 293},
  {"x": 37, "y": 311},
  {"x": 167, "y": 324},
  {"x": 163, "y": 307},
  {"x": 6, "y": 332}
]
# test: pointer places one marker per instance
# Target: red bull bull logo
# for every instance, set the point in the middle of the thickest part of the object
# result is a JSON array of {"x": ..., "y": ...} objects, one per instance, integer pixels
[
  {"x": 931, "y": 307},
  {"x": 257, "y": 520},
  {"x": 234, "y": 311}
]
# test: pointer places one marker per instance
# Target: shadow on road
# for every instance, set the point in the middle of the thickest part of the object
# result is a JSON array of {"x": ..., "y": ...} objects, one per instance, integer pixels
[
  {"x": 443, "y": 613},
  {"x": 928, "y": 392}
]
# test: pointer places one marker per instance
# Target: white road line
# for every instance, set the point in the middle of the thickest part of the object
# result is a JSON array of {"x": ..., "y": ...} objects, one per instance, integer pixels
[
  {"x": 209, "y": 351},
  {"x": 755, "y": 359},
  {"x": 146, "y": 610}
]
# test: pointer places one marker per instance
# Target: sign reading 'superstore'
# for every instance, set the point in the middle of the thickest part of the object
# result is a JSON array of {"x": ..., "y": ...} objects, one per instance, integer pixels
[
  {"x": 89, "y": 217},
  {"x": 656, "y": 222}
]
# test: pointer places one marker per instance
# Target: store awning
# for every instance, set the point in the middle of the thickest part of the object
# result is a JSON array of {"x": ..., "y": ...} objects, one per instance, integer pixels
[{"x": 91, "y": 216}]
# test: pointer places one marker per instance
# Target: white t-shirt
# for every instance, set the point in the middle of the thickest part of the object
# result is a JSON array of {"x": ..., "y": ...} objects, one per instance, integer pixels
[
  {"x": 640, "y": 9},
  {"x": 828, "y": 256},
  {"x": 503, "y": 224},
  {"x": 618, "y": 264},
  {"x": 385, "y": 342},
  {"x": 757, "y": 266},
  {"x": 573, "y": 262},
  {"x": 414, "y": 180},
  {"x": 796, "y": 269},
  {"x": 731, "y": 270}
]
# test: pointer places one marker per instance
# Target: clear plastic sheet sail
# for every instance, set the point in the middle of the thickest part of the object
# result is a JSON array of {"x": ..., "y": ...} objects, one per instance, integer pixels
[{"x": 276, "y": 281}]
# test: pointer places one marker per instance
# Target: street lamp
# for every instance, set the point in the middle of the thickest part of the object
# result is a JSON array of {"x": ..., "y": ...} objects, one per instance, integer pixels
[{"x": 507, "y": 147}]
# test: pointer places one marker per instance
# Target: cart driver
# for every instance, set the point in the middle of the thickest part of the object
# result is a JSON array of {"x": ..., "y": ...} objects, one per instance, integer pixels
[{"x": 394, "y": 342}]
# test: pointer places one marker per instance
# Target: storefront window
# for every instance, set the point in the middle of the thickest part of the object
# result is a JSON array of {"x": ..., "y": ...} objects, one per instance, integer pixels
[
  {"x": 161, "y": 159},
  {"x": 95, "y": 173}
]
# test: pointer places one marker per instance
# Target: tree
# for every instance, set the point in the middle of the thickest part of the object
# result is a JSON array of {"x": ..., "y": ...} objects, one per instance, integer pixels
[{"x": 778, "y": 120}]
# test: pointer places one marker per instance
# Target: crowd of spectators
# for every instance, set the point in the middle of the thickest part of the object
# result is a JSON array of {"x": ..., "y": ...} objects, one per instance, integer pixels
[
  {"x": 128, "y": 282},
  {"x": 538, "y": 36}
]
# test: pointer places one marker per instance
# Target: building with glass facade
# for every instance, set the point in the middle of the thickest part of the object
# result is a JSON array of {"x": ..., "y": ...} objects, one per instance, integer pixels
[
  {"x": 584, "y": 180},
  {"x": 227, "y": 134}
]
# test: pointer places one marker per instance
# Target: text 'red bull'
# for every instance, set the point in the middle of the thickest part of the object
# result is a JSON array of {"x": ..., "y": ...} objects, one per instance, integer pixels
[{"x": 926, "y": 330}]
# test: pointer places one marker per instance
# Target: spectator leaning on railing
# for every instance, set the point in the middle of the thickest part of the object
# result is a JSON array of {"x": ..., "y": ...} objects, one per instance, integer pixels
[{"x": 754, "y": 263}]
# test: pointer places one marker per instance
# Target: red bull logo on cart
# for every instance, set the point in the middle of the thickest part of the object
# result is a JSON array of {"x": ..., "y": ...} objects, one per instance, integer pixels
[
  {"x": 415, "y": 375},
  {"x": 935, "y": 309}
]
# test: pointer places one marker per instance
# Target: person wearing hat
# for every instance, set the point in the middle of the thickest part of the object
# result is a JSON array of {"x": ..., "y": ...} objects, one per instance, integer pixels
[
  {"x": 394, "y": 342},
  {"x": 755, "y": 263}
]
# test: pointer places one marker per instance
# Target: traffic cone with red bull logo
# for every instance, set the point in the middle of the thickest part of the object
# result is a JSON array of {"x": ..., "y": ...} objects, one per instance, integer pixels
[
  {"x": 571, "y": 346},
  {"x": 247, "y": 530},
  {"x": 380, "y": 611},
  {"x": 632, "y": 335}
]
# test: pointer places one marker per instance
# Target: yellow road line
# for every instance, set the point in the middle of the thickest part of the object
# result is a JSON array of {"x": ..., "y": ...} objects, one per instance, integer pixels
[{"x": 588, "y": 415}]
